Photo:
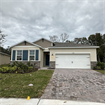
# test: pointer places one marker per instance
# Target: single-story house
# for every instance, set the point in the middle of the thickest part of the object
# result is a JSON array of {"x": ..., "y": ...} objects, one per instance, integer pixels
[
  {"x": 45, "y": 53},
  {"x": 4, "y": 58}
]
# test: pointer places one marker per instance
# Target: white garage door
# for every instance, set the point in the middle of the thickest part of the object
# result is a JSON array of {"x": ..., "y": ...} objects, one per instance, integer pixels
[{"x": 76, "y": 61}]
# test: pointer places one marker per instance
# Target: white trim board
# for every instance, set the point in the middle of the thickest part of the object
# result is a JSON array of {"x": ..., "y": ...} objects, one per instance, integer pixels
[
  {"x": 74, "y": 47},
  {"x": 28, "y": 42},
  {"x": 64, "y": 53},
  {"x": 24, "y": 46}
]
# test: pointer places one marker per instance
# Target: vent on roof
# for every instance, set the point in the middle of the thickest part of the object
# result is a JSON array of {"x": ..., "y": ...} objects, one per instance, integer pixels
[
  {"x": 25, "y": 42},
  {"x": 42, "y": 40},
  {"x": 53, "y": 44}
]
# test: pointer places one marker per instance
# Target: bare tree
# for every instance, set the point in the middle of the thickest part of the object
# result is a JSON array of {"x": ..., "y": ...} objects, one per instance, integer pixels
[
  {"x": 54, "y": 38},
  {"x": 64, "y": 37},
  {"x": 2, "y": 38}
]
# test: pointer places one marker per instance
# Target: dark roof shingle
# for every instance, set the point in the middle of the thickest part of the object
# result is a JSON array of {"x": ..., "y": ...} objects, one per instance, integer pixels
[{"x": 58, "y": 44}]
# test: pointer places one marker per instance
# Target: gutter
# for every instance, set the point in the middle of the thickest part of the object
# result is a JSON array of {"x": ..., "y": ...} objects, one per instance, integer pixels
[
  {"x": 73, "y": 47},
  {"x": 4, "y": 53}
]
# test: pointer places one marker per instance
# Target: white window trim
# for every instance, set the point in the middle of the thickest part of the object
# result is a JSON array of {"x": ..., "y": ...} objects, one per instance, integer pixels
[
  {"x": 22, "y": 54},
  {"x": 16, "y": 56},
  {"x": 34, "y": 55}
]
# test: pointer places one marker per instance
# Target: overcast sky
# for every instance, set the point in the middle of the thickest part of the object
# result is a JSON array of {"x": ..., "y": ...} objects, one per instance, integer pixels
[{"x": 33, "y": 19}]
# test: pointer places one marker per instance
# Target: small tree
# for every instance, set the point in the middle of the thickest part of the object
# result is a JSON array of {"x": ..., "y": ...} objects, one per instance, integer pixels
[
  {"x": 77, "y": 40},
  {"x": 2, "y": 38},
  {"x": 68, "y": 41}
]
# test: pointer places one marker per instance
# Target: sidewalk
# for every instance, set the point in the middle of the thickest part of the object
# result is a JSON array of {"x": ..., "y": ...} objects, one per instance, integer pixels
[{"x": 36, "y": 101}]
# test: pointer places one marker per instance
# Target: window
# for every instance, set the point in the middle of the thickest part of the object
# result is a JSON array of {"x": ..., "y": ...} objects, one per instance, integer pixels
[
  {"x": 32, "y": 54},
  {"x": 19, "y": 54}
]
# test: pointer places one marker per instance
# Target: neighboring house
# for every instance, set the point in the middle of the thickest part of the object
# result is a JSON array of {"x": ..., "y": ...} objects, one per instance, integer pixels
[
  {"x": 55, "y": 55},
  {"x": 4, "y": 58}
]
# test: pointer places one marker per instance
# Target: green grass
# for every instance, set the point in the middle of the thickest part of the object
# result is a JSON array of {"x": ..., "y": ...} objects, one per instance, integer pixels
[
  {"x": 16, "y": 85},
  {"x": 101, "y": 71}
]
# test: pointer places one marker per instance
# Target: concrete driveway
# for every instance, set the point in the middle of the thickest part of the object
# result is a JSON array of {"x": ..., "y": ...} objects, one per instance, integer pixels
[{"x": 79, "y": 85}]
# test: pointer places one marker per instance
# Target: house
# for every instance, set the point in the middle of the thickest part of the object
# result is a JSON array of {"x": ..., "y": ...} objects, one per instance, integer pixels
[
  {"x": 4, "y": 58},
  {"x": 45, "y": 53}
]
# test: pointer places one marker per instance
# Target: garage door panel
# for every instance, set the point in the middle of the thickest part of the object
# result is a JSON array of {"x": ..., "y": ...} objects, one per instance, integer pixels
[
  {"x": 61, "y": 60},
  {"x": 73, "y": 61}
]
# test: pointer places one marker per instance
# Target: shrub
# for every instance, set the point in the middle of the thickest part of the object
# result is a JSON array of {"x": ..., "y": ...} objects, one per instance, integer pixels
[
  {"x": 101, "y": 64},
  {"x": 98, "y": 64},
  {"x": 17, "y": 66},
  {"x": 1, "y": 69},
  {"x": 12, "y": 69},
  {"x": 25, "y": 68},
  {"x": 5, "y": 69},
  {"x": 30, "y": 68},
  {"x": 20, "y": 64},
  {"x": 20, "y": 70},
  {"x": 94, "y": 68},
  {"x": 28, "y": 63},
  {"x": 98, "y": 67}
]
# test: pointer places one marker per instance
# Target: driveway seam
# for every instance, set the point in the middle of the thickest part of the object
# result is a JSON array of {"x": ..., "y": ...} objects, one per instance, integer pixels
[{"x": 39, "y": 101}]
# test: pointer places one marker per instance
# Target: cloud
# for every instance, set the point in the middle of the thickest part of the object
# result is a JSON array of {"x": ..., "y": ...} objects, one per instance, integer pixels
[{"x": 33, "y": 19}]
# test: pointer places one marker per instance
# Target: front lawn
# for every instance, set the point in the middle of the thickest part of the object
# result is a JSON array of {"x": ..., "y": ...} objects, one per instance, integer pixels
[
  {"x": 16, "y": 85},
  {"x": 101, "y": 71}
]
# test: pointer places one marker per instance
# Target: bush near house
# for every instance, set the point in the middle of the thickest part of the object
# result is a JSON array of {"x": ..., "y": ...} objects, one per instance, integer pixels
[
  {"x": 99, "y": 66},
  {"x": 8, "y": 69},
  {"x": 18, "y": 67}
]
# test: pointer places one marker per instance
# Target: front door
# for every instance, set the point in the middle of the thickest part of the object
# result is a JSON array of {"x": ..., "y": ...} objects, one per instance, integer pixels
[{"x": 47, "y": 59}]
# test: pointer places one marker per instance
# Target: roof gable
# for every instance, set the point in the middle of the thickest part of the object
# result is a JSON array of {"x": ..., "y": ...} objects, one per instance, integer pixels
[
  {"x": 43, "y": 42},
  {"x": 41, "y": 39},
  {"x": 24, "y": 43}
]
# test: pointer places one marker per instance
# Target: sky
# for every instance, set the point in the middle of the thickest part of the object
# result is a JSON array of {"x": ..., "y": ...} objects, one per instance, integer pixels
[{"x": 34, "y": 19}]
